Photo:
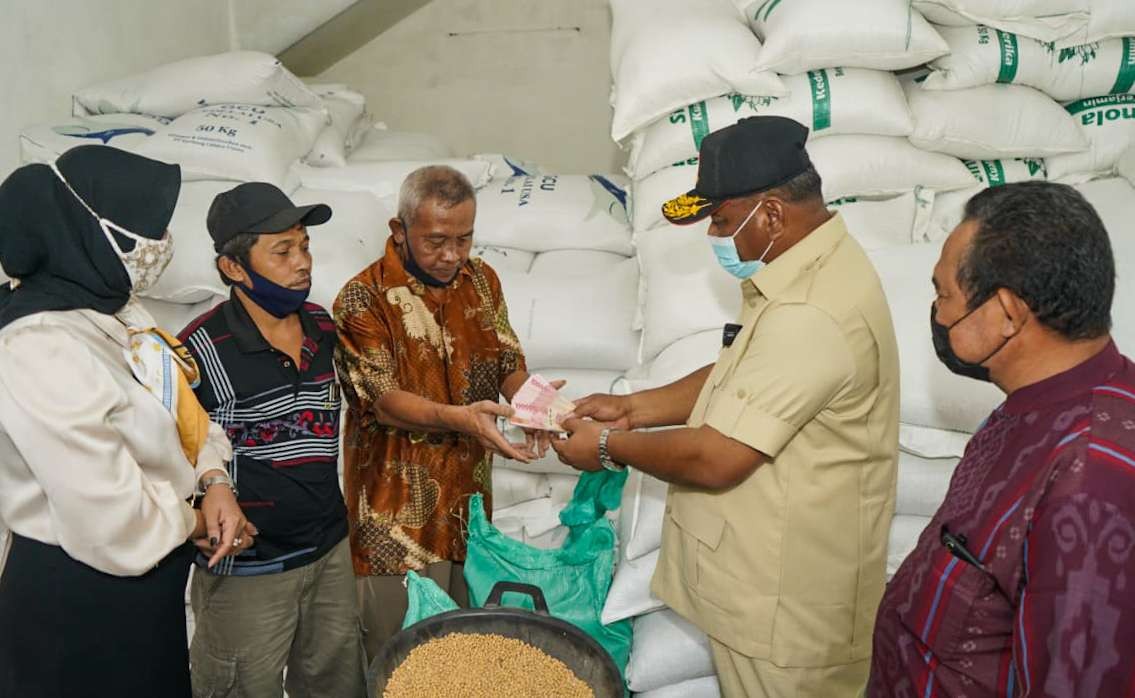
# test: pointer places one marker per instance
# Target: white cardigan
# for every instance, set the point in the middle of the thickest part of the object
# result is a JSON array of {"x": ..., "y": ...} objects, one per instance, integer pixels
[{"x": 89, "y": 460}]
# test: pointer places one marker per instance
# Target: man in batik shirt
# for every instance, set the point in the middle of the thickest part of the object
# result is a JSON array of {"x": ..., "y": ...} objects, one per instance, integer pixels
[
  {"x": 425, "y": 350},
  {"x": 1023, "y": 583}
]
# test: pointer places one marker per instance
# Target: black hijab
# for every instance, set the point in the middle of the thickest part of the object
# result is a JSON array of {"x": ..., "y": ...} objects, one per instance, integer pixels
[{"x": 55, "y": 247}]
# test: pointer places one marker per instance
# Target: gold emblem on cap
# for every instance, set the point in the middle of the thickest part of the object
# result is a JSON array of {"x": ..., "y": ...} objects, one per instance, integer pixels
[{"x": 684, "y": 206}]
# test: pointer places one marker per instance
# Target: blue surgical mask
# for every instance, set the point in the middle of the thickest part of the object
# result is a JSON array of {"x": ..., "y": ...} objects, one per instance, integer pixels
[
  {"x": 278, "y": 300},
  {"x": 725, "y": 248}
]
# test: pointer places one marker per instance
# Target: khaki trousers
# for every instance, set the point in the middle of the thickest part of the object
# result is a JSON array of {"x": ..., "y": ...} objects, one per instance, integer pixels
[
  {"x": 250, "y": 628},
  {"x": 383, "y": 601},
  {"x": 745, "y": 677}
]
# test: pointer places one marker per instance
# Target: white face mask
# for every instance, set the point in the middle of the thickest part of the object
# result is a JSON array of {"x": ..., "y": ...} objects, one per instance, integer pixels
[{"x": 145, "y": 263}]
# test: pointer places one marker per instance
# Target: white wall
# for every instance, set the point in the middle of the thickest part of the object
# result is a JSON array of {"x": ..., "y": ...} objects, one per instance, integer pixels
[
  {"x": 512, "y": 76},
  {"x": 48, "y": 48},
  {"x": 273, "y": 25}
]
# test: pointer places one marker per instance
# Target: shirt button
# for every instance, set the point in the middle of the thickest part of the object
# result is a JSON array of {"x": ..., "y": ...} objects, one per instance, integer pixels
[{"x": 287, "y": 364}]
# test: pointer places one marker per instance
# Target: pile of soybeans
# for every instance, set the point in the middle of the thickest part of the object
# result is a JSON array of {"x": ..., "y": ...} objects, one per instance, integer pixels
[{"x": 473, "y": 664}]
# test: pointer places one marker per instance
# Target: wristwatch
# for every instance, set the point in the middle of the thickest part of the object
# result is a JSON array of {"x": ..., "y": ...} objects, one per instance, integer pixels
[
  {"x": 208, "y": 482},
  {"x": 605, "y": 455}
]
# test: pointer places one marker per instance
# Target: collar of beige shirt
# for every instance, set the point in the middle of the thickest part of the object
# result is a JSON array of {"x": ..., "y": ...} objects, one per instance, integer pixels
[{"x": 776, "y": 279}]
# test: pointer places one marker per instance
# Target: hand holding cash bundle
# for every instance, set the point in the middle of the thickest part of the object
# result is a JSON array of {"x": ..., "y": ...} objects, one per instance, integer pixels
[{"x": 539, "y": 405}]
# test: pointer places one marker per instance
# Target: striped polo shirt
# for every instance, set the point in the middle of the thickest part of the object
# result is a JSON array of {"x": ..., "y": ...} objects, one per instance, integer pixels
[{"x": 283, "y": 422}]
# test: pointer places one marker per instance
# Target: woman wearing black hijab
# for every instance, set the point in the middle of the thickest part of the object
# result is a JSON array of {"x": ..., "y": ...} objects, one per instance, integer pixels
[{"x": 99, "y": 452}]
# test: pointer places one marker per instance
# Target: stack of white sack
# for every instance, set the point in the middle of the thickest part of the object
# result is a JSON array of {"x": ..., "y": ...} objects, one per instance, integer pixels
[
  {"x": 353, "y": 238},
  {"x": 228, "y": 118},
  {"x": 835, "y": 60},
  {"x": 669, "y": 655},
  {"x": 1062, "y": 23},
  {"x": 527, "y": 506},
  {"x": 561, "y": 246},
  {"x": 938, "y": 409},
  {"x": 1000, "y": 95}
]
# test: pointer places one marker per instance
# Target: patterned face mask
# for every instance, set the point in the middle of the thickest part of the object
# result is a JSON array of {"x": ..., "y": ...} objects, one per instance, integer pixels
[{"x": 145, "y": 263}]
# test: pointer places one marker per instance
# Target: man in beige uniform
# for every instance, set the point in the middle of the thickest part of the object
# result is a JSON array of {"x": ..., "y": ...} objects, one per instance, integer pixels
[{"x": 783, "y": 480}]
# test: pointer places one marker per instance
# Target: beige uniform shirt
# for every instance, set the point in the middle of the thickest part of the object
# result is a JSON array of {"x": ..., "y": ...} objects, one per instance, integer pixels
[{"x": 788, "y": 566}]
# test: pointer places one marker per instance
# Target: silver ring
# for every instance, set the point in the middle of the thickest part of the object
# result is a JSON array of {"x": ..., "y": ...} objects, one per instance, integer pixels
[{"x": 237, "y": 541}]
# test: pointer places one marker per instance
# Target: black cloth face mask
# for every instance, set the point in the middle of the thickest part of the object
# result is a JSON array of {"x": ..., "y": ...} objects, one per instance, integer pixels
[
  {"x": 416, "y": 271},
  {"x": 941, "y": 335}
]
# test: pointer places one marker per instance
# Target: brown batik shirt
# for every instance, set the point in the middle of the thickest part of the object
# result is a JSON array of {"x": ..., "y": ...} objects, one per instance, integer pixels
[{"x": 408, "y": 492}]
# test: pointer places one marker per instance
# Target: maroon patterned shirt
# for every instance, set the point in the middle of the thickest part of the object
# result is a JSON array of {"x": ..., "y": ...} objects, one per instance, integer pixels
[{"x": 1045, "y": 498}]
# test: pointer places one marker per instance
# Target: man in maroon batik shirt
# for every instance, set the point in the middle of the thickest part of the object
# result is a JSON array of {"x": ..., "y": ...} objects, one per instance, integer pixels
[{"x": 1023, "y": 583}]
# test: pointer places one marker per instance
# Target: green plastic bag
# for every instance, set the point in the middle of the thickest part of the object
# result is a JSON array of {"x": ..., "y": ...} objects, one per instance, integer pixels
[
  {"x": 575, "y": 578},
  {"x": 594, "y": 495},
  {"x": 425, "y": 599}
]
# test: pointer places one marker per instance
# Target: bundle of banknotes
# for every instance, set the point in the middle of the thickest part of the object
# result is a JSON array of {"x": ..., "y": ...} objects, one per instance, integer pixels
[{"x": 538, "y": 405}]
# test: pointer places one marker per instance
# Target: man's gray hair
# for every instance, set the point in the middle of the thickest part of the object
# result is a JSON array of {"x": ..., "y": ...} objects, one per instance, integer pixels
[{"x": 440, "y": 183}]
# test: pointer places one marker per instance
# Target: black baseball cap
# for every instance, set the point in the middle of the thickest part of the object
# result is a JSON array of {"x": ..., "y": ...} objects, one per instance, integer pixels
[
  {"x": 258, "y": 207},
  {"x": 753, "y": 155}
]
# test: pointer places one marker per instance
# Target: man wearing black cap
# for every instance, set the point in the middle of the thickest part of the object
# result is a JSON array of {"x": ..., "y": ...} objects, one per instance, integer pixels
[
  {"x": 783, "y": 479},
  {"x": 269, "y": 381}
]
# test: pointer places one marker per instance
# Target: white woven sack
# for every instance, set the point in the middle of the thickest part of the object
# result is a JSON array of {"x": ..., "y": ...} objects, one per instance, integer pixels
[
  {"x": 509, "y": 166},
  {"x": 570, "y": 322},
  {"x": 535, "y": 516},
  {"x": 237, "y": 142},
  {"x": 348, "y": 243},
  {"x": 1112, "y": 198},
  {"x": 876, "y": 223},
  {"x": 1108, "y": 125},
  {"x": 830, "y": 102},
  {"x": 1110, "y": 19},
  {"x": 1126, "y": 164},
  {"x": 175, "y": 317},
  {"x": 346, "y": 109},
  {"x": 1045, "y": 20},
  {"x": 684, "y": 290},
  {"x": 641, "y": 514},
  {"x": 931, "y": 396},
  {"x": 192, "y": 275},
  {"x": 237, "y": 77},
  {"x": 991, "y": 122},
  {"x": 383, "y": 178},
  {"x": 932, "y": 443},
  {"x": 802, "y": 35},
  {"x": 126, "y": 131},
  {"x": 630, "y": 594},
  {"x": 922, "y": 483},
  {"x": 905, "y": 531},
  {"x": 879, "y": 166},
  {"x": 667, "y": 649},
  {"x": 540, "y": 213},
  {"x": 580, "y": 263},
  {"x": 666, "y": 54},
  {"x": 705, "y": 687},
  {"x": 850, "y": 166},
  {"x": 948, "y": 208},
  {"x": 511, "y": 487},
  {"x": 981, "y": 55},
  {"x": 502, "y": 258},
  {"x": 379, "y": 144}
]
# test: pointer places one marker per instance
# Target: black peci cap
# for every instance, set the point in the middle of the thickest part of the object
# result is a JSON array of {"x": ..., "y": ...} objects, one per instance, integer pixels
[
  {"x": 258, "y": 207},
  {"x": 754, "y": 155}
]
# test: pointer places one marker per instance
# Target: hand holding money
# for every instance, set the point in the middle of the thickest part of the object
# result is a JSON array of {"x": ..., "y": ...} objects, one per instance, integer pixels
[{"x": 538, "y": 405}]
